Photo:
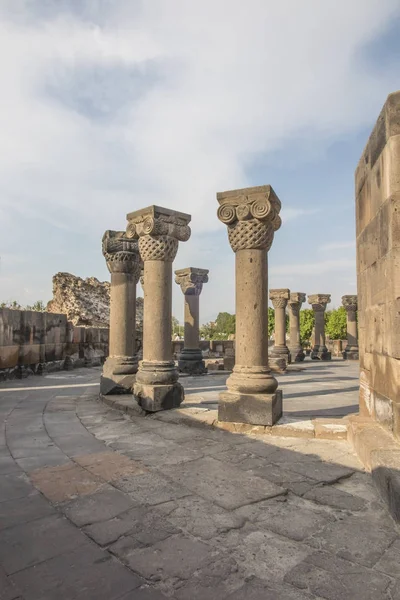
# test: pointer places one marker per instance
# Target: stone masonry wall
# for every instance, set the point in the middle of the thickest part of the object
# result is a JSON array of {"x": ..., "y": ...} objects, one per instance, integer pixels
[
  {"x": 377, "y": 181},
  {"x": 34, "y": 342}
]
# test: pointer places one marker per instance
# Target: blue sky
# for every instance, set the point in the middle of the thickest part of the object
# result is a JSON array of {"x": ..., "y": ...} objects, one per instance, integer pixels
[{"x": 109, "y": 106}]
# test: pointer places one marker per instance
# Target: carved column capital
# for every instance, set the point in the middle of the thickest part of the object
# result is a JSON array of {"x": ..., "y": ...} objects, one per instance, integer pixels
[
  {"x": 121, "y": 253},
  {"x": 350, "y": 303},
  {"x": 191, "y": 280},
  {"x": 159, "y": 231},
  {"x": 251, "y": 215},
  {"x": 319, "y": 301},
  {"x": 279, "y": 297},
  {"x": 296, "y": 300}
]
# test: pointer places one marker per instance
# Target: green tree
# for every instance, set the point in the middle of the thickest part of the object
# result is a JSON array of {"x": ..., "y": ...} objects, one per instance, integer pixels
[
  {"x": 38, "y": 306},
  {"x": 176, "y": 328},
  {"x": 335, "y": 324},
  {"x": 11, "y": 304},
  {"x": 307, "y": 322},
  {"x": 207, "y": 331},
  {"x": 271, "y": 321},
  {"x": 225, "y": 325}
]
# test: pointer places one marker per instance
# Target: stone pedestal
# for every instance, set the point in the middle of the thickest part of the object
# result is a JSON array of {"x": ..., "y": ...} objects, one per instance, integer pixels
[
  {"x": 124, "y": 264},
  {"x": 318, "y": 303},
  {"x": 351, "y": 351},
  {"x": 252, "y": 217},
  {"x": 159, "y": 231},
  {"x": 295, "y": 348},
  {"x": 191, "y": 281},
  {"x": 279, "y": 356}
]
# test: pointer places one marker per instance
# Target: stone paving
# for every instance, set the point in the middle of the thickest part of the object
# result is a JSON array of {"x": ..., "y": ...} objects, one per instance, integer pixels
[{"x": 96, "y": 505}]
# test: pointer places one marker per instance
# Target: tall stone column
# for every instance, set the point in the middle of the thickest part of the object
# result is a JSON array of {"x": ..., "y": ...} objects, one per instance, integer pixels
[
  {"x": 351, "y": 351},
  {"x": 252, "y": 217},
  {"x": 124, "y": 263},
  {"x": 159, "y": 231},
  {"x": 295, "y": 348},
  {"x": 191, "y": 281},
  {"x": 279, "y": 357},
  {"x": 318, "y": 303}
]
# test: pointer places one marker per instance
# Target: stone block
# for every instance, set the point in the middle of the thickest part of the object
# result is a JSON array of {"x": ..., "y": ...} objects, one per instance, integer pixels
[
  {"x": 153, "y": 398},
  {"x": 192, "y": 367},
  {"x": 254, "y": 409},
  {"x": 385, "y": 467},
  {"x": 330, "y": 429}
]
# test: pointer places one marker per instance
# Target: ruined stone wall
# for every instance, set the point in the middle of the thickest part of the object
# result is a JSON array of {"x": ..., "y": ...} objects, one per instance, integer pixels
[
  {"x": 377, "y": 181},
  {"x": 35, "y": 342}
]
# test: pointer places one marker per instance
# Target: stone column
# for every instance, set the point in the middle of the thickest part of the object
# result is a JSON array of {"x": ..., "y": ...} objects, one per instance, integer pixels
[
  {"x": 252, "y": 217},
  {"x": 295, "y": 348},
  {"x": 159, "y": 231},
  {"x": 124, "y": 263},
  {"x": 318, "y": 303},
  {"x": 351, "y": 351},
  {"x": 191, "y": 281},
  {"x": 279, "y": 357}
]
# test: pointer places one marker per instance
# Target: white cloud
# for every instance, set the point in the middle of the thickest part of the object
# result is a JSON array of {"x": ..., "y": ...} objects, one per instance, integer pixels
[
  {"x": 338, "y": 246},
  {"x": 169, "y": 101}
]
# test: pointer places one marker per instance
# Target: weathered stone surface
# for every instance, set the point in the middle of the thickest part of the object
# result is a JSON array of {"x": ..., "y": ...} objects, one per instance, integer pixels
[
  {"x": 255, "y": 409},
  {"x": 23, "y": 510},
  {"x": 385, "y": 465},
  {"x": 100, "y": 506},
  {"x": 258, "y": 590},
  {"x": 151, "y": 489},
  {"x": 389, "y": 563},
  {"x": 227, "y": 486},
  {"x": 336, "y": 498},
  {"x": 65, "y": 482},
  {"x": 110, "y": 466},
  {"x": 332, "y": 578},
  {"x": 13, "y": 486}
]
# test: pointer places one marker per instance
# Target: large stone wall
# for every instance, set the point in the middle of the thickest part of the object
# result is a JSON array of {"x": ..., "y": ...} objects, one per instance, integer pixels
[
  {"x": 377, "y": 180},
  {"x": 34, "y": 342}
]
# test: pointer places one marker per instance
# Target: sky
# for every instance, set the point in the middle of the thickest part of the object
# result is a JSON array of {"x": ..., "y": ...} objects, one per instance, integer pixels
[{"x": 108, "y": 106}]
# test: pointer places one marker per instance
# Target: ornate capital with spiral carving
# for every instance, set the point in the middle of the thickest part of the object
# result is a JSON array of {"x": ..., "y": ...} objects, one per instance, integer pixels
[
  {"x": 191, "y": 280},
  {"x": 121, "y": 253},
  {"x": 350, "y": 303},
  {"x": 319, "y": 301},
  {"x": 279, "y": 297},
  {"x": 159, "y": 231},
  {"x": 251, "y": 215}
]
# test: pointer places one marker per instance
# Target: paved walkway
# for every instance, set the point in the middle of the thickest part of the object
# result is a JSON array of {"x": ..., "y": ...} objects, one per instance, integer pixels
[{"x": 94, "y": 505}]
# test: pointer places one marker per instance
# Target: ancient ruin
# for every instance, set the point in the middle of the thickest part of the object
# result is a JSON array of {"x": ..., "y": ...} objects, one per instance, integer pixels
[
  {"x": 351, "y": 351},
  {"x": 191, "y": 282},
  {"x": 124, "y": 264},
  {"x": 318, "y": 303},
  {"x": 159, "y": 231},
  {"x": 252, "y": 217},
  {"x": 295, "y": 348},
  {"x": 279, "y": 355}
]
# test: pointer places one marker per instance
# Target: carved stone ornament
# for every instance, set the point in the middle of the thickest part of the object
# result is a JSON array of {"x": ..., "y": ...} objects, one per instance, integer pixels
[
  {"x": 319, "y": 301},
  {"x": 191, "y": 280},
  {"x": 251, "y": 215},
  {"x": 279, "y": 297},
  {"x": 121, "y": 253},
  {"x": 159, "y": 231},
  {"x": 296, "y": 300},
  {"x": 350, "y": 303}
]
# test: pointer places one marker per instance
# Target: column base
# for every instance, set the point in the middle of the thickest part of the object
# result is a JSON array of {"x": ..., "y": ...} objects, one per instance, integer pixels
[
  {"x": 320, "y": 353},
  {"x": 154, "y": 398},
  {"x": 351, "y": 353},
  {"x": 119, "y": 375},
  {"x": 277, "y": 365},
  {"x": 297, "y": 354},
  {"x": 253, "y": 409},
  {"x": 191, "y": 362}
]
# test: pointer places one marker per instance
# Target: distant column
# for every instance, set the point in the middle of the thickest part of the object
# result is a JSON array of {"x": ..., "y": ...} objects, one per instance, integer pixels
[
  {"x": 318, "y": 303},
  {"x": 252, "y": 217},
  {"x": 159, "y": 231},
  {"x": 351, "y": 351},
  {"x": 296, "y": 350},
  {"x": 279, "y": 356},
  {"x": 124, "y": 263},
  {"x": 191, "y": 281}
]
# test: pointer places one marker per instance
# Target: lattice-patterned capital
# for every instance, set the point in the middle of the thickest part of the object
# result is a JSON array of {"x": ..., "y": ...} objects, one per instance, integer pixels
[
  {"x": 121, "y": 253},
  {"x": 191, "y": 280},
  {"x": 350, "y": 303},
  {"x": 159, "y": 230},
  {"x": 296, "y": 300},
  {"x": 251, "y": 215},
  {"x": 319, "y": 301},
  {"x": 279, "y": 297}
]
